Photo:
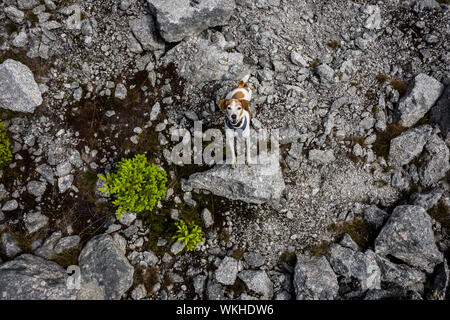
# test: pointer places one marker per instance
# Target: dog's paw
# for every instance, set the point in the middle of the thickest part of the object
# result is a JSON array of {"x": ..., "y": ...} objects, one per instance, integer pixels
[
  {"x": 248, "y": 162},
  {"x": 234, "y": 165}
]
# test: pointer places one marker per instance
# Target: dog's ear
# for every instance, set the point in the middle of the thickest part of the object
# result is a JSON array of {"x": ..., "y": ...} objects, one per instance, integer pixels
[
  {"x": 223, "y": 105},
  {"x": 245, "y": 105}
]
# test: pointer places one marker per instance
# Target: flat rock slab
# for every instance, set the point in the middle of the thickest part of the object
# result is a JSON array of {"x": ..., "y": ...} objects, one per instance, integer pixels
[
  {"x": 321, "y": 156},
  {"x": 408, "y": 236},
  {"x": 106, "y": 272},
  {"x": 29, "y": 277},
  {"x": 179, "y": 19},
  {"x": 18, "y": 89},
  {"x": 259, "y": 183},
  {"x": 404, "y": 148},
  {"x": 258, "y": 281},
  {"x": 145, "y": 32},
  {"x": 227, "y": 271},
  {"x": 199, "y": 61},
  {"x": 421, "y": 96}
]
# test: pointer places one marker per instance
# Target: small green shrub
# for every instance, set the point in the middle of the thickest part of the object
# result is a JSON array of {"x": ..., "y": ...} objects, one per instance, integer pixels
[
  {"x": 137, "y": 185},
  {"x": 5, "y": 151},
  {"x": 190, "y": 234}
]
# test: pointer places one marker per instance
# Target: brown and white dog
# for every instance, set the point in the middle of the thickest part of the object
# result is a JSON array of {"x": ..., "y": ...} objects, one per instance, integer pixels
[{"x": 236, "y": 107}]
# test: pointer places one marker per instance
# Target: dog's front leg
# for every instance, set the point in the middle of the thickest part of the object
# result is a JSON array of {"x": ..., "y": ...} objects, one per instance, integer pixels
[{"x": 230, "y": 149}]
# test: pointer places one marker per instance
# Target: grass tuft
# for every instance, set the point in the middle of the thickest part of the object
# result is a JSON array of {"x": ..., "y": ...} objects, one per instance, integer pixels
[
  {"x": 238, "y": 253},
  {"x": 358, "y": 229},
  {"x": 314, "y": 63},
  {"x": 399, "y": 85},
  {"x": 237, "y": 288},
  {"x": 333, "y": 44},
  {"x": 320, "y": 249},
  {"x": 383, "y": 141},
  {"x": 382, "y": 78},
  {"x": 67, "y": 257}
]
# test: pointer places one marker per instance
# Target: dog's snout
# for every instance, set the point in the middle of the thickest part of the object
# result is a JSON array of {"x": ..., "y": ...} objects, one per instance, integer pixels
[{"x": 233, "y": 116}]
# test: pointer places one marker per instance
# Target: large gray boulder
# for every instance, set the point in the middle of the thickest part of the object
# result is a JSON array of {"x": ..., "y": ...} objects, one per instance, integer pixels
[
  {"x": 199, "y": 61},
  {"x": 349, "y": 263},
  {"x": 145, "y": 32},
  {"x": 314, "y": 279},
  {"x": 18, "y": 90},
  {"x": 421, "y": 96},
  {"x": 258, "y": 183},
  {"x": 179, "y": 19},
  {"x": 29, "y": 277},
  {"x": 105, "y": 271},
  {"x": 408, "y": 236},
  {"x": 408, "y": 145},
  {"x": 436, "y": 161}
]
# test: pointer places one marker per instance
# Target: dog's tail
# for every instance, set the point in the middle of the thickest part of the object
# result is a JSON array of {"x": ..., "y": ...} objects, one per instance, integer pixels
[{"x": 243, "y": 81}]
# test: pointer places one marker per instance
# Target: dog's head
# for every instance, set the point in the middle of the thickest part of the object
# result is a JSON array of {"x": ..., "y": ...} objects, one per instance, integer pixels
[{"x": 234, "y": 109}]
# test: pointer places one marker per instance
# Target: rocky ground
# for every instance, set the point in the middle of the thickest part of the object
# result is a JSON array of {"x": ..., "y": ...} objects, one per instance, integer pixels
[{"x": 357, "y": 208}]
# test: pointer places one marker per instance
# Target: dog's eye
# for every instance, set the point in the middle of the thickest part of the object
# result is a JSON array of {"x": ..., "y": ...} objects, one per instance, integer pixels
[
  {"x": 239, "y": 108},
  {"x": 229, "y": 108}
]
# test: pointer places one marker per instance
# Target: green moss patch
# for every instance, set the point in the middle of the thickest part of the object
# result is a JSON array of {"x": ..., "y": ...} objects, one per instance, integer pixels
[
  {"x": 320, "y": 249},
  {"x": 358, "y": 229}
]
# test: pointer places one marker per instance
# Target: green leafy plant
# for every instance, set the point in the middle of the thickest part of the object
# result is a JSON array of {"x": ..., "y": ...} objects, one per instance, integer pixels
[
  {"x": 190, "y": 234},
  {"x": 5, "y": 151},
  {"x": 137, "y": 185}
]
